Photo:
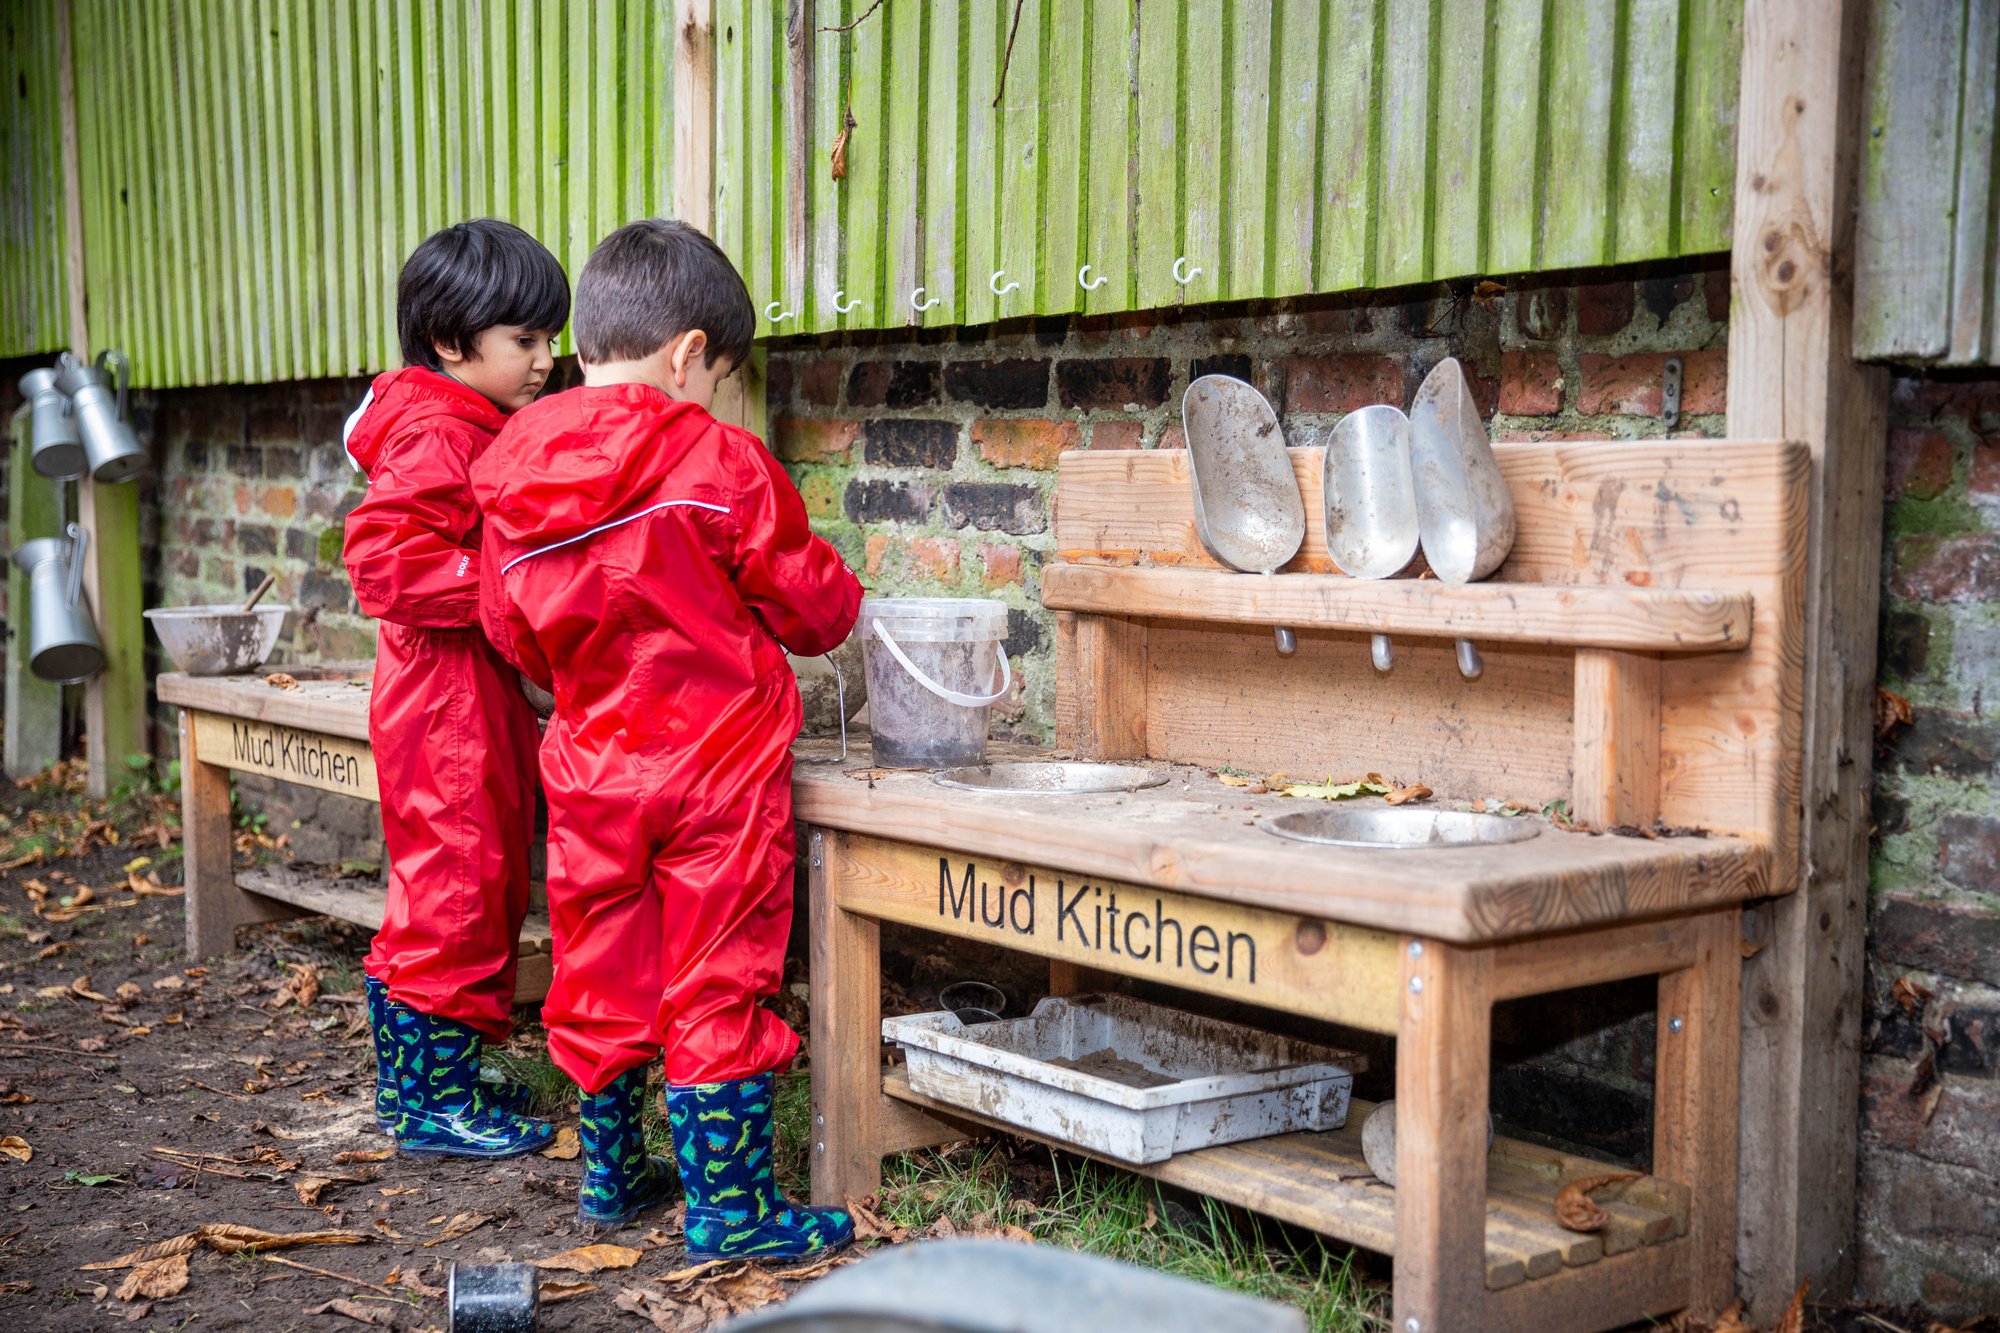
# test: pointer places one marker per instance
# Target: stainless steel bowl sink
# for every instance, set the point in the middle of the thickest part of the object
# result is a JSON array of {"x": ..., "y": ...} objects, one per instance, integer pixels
[
  {"x": 1401, "y": 830},
  {"x": 1050, "y": 778}
]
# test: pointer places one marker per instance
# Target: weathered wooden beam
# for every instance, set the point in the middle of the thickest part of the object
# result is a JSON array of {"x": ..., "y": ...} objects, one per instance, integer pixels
[{"x": 1792, "y": 376}]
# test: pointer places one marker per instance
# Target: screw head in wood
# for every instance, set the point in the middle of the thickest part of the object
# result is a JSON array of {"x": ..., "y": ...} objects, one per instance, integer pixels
[
  {"x": 1412, "y": 1325},
  {"x": 1416, "y": 948},
  {"x": 1674, "y": 1025},
  {"x": 819, "y": 1147},
  {"x": 1416, "y": 985}
]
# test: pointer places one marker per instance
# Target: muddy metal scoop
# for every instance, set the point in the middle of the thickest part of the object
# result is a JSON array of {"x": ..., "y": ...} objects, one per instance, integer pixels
[
  {"x": 1248, "y": 511},
  {"x": 1464, "y": 513},
  {"x": 1371, "y": 502}
]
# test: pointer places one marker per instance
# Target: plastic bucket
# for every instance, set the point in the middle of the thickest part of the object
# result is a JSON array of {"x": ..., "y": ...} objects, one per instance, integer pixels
[{"x": 935, "y": 665}]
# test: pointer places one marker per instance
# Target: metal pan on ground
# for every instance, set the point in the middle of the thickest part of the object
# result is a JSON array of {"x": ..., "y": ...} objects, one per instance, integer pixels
[
  {"x": 1401, "y": 830},
  {"x": 1464, "y": 513},
  {"x": 974, "y": 1001},
  {"x": 1371, "y": 501},
  {"x": 1248, "y": 511},
  {"x": 1050, "y": 778}
]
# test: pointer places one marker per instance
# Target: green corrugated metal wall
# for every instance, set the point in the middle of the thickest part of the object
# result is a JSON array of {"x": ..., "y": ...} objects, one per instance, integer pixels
[
  {"x": 32, "y": 294},
  {"x": 1276, "y": 146},
  {"x": 257, "y": 170}
]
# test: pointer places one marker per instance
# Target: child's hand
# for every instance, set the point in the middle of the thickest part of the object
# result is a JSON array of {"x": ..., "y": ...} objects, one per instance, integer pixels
[{"x": 544, "y": 702}]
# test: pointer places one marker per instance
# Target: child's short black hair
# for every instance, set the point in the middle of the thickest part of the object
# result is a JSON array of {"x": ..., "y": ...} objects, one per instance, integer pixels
[
  {"x": 653, "y": 280},
  {"x": 469, "y": 277}
]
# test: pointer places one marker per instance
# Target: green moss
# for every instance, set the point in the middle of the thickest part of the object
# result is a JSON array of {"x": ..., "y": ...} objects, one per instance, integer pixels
[{"x": 330, "y": 546}]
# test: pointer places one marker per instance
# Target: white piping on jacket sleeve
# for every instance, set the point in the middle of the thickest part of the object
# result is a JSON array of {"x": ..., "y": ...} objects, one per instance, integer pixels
[{"x": 616, "y": 522}]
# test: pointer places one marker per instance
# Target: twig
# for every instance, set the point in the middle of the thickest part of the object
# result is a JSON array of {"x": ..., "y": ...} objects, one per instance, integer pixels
[
  {"x": 197, "y": 1083},
  {"x": 1008, "y": 59},
  {"x": 322, "y": 1272},
  {"x": 849, "y": 27},
  {"x": 1873, "y": 1319},
  {"x": 59, "y": 1050}
]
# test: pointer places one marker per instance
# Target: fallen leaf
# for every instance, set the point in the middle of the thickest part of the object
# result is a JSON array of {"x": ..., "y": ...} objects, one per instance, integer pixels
[
  {"x": 1752, "y": 950},
  {"x": 91, "y": 1044},
  {"x": 155, "y": 1278},
  {"x": 870, "y": 1225},
  {"x": 661, "y": 1310},
  {"x": 80, "y": 987},
  {"x": 1577, "y": 1211},
  {"x": 1331, "y": 790},
  {"x": 1006, "y": 1231},
  {"x": 1416, "y": 791},
  {"x": 129, "y": 990},
  {"x": 51, "y": 992},
  {"x": 15, "y": 1288},
  {"x": 17, "y": 1148},
  {"x": 382, "y": 1225},
  {"x": 462, "y": 1225},
  {"x": 562, "y": 1291},
  {"x": 285, "y": 680},
  {"x": 409, "y": 1277},
  {"x": 310, "y": 1188},
  {"x": 228, "y": 1238},
  {"x": 566, "y": 1146},
  {"x": 1793, "y": 1320},
  {"x": 1231, "y": 780},
  {"x": 1910, "y": 995},
  {"x": 379, "y": 1315},
  {"x": 1892, "y": 712},
  {"x": 169, "y": 982},
  {"x": 364, "y": 1155},
  {"x": 592, "y": 1258}
]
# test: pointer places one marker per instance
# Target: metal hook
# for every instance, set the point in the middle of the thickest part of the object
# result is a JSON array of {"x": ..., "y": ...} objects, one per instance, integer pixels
[
  {"x": 851, "y": 305},
  {"x": 1083, "y": 279},
  {"x": 993, "y": 283},
  {"x": 1185, "y": 278},
  {"x": 775, "y": 319},
  {"x": 917, "y": 301}
]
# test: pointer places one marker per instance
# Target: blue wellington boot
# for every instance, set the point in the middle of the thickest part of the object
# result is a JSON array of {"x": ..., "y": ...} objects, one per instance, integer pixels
[
  {"x": 620, "y": 1179},
  {"x": 441, "y": 1110},
  {"x": 723, "y": 1147},
  {"x": 514, "y": 1098}
]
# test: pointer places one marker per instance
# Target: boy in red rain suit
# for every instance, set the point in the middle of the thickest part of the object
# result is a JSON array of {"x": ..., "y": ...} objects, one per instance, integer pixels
[
  {"x": 454, "y": 738},
  {"x": 649, "y": 565}
]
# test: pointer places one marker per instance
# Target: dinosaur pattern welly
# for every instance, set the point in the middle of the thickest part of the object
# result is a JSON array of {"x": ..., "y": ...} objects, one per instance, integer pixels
[
  {"x": 620, "y": 1179},
  {"x": 513, "y": 1098},
  {"x": 440, "y": 1108},
  {"x": 722, "y": 1145}
]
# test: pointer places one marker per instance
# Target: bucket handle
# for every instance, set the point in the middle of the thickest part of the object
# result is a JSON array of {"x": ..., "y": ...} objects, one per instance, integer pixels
[
  {"x": 79, "y": 543},
  {"x": 949, "y": 696}
]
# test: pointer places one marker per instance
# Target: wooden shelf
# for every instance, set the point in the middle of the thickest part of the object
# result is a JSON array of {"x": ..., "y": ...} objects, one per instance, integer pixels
[
  {"x": 1583, "y": 615},
  {"x": 1321, "y": 1182}
]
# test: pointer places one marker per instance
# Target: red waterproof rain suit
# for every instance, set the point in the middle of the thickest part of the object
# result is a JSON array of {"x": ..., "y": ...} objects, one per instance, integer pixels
[
  {"x": 454, "y": 739},
  {"x": 644, "y": 562}
]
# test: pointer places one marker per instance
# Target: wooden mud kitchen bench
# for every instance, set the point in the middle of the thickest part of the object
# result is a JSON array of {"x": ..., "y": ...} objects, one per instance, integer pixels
[
  {"x": 1643, "y": 662},
  {"x": 314, "y": 734}
]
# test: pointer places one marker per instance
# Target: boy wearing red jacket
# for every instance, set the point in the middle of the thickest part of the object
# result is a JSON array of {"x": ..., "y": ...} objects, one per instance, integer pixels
[
  {"x": 649, "y": 566},
  {"x": 453, "y": 737}
]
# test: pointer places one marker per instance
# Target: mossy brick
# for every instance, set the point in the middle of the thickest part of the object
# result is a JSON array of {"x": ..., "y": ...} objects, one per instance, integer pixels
[
  {"x": 820, "y": 488},
  {"x": 1000, "y": 566},
  {"x": 299, "y": 544},
  {"x": 1236, "y": 365},
  {"x": 1906, "y": 643},
  {"x": 1969, "y": 852},
  {"x": 934, "y": 558},
  {"x": 256, "y": 539},
  {"x": 1972, "y": 1042},
  {"x": 879, "y": 501},
  {"x": 1715, "y": 294},
  {"x": 1024, "y": 633},
  {"x": 1113, "y": 383},
  {"x": 284, "y": 464},
  {"x": 877, "y": 550},
  {"x": 272, "y": 424},
  {"x": 1951, "y": 569},
  {"x": 1984, "y": 479},
  {"x": 1013, "y": 384},
  {"x": 278, "y": 501},
  {"x": 1604, "y": 308},
  {"x": 1530, "y": 384},
  {"x": 992, "y": 506},
  {"x": 778, "y": 382},
  {"x": 1342, "y": 382},
  {"x": 1632, "y": 385},
  {"x": 911, "y": 443},
  {"x": 897, "y": 385},
  {"x": 327, "y": 589},
  {"x": 819, "y": 384},
  {"x": 1945, "y": 744},
  {"x": 1033, "y": 443},
  {"x": 1919, "y": 463},
  {"x": 809, "y": 440},
  {"x": 1117, "y": 435}
]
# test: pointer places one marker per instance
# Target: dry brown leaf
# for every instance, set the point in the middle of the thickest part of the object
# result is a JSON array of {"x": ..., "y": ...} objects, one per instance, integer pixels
[
  {"x": 310, "y": 1188},
  {"x": 286, "y": 681},
  {"x": 747, "y": 1288},
  {"x": 464, "y": 1224},
  {"x": 17, "y": 1148},
  {"x": 592, "y": 1258},
  {"x": 129, "y": 991},
  {"x": 1416, "y": 791},
  {"x": 1892, "y": 713},
  {"x": 690, "y": 1273},
  {"x": 409, "y": 1277},
  {"x": 562, "y": 1291},
  {"x": 1577, "y": 1211},
  {"x": 1910, "y": 995},
  {"x": 566, "y": 1146},
  {"x": 1006, "y": 1231},
  {"x": 155, "y": 1278},
  {"x": 870, "y": 1225},
  {"x": 15, "y": 1288},
  {"x": 232, "y": 1239},
  {"x": 1793, "y": 1320},
  {"x": 80, "y": 987},
  {"x": 364, "y": 1155},
  {"x": 818, "y": 1267},
  {"x": 169, "y": 982},
  {"x": 381, "y": 1224},
  {"x": 1752, "y": 950},
  {"x": 378, "y": 1315},
  {"x": 661, "y": 1310}
]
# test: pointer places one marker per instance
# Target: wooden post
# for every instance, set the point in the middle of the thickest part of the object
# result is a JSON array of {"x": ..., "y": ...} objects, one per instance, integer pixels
[
  {"x": 215, "y": 906},
  {"x": 1792, "y": 376},
  {"x": 1442, "y": 1054},
  {"x": 1106, "y": 666},
  {"x": 694, "y": 113},
  {"x": 1696, "y": 1076},
  {"x": 1617, "y": 746},
  {"x": 846, "y": 988},
  {"x": 34, "y": 705}
]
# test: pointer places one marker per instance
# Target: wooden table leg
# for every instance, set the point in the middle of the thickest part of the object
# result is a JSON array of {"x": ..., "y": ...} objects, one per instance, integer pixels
[
  {"x": 1695, "y": 1100},
  {"x": 846, "y": 1003},
  {"x": 215, "y": 906},
  {"x": 1442, "y": 1056}
]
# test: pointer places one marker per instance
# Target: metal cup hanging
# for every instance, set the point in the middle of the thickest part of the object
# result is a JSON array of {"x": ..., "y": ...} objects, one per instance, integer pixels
[
  {"x": 62, "y": 639},
  {"x": 113, "y": 452},
  {"x": 58, "y": 448}
]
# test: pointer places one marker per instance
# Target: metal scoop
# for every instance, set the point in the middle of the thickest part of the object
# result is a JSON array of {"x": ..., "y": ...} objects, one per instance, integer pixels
[
  {"x": 1248, "y": 511},
  {"x": 1464, "y": 513},
  {"x": 1371, "y": 502}
]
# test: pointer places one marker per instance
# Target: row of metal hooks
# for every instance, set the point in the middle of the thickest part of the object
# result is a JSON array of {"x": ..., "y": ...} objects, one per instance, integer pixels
[{"x": 1183, "y": 275}]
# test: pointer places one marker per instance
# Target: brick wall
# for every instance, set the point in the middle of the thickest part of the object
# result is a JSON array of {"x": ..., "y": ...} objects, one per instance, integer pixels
[{"x": 1930, "y": 1111}]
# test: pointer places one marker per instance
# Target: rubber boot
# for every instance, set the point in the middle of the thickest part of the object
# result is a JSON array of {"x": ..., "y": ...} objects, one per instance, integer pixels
[
  {"x": 514, "y": 1098},
  {"x": 723, "y": 1147},
  {"x": 441, "y": 1110},
  {"x": 620, "y": 1179}
]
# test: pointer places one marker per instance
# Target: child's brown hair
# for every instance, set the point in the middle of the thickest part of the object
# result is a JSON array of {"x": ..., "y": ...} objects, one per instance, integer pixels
[{"x": 653, "y": 280}]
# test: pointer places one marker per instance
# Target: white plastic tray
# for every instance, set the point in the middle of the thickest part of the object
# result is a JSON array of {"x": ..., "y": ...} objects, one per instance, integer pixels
[{"x": 1133, "y": 1081}]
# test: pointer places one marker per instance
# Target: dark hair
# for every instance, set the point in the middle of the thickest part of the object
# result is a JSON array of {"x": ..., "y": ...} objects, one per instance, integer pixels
[
  {"x": 653, "y": 280},
  {"x": 469, "y": 277}
]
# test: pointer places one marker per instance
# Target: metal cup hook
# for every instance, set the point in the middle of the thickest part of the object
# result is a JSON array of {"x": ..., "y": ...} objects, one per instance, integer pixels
[
  {"x": 1083, "y": 279},
  {"x": 917, "y": 301},
  {"x": 851, "y": 305},
  {"x": 993, "y": 283},
  {"x": 1185, "y": 278},
  {"x": 776, "y": 319}
]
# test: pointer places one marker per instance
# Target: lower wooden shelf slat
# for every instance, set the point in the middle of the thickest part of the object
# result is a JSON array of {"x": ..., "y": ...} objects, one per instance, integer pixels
[
  {"x": 365, "y": 901},
  {"x": 1322, "y": 1182}
]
